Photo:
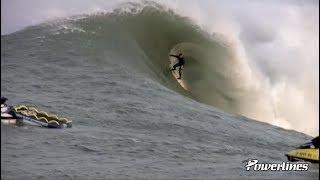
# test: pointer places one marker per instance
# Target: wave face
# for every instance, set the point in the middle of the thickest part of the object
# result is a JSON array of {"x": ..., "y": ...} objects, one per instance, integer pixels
[{"x": 141, "y": 38}]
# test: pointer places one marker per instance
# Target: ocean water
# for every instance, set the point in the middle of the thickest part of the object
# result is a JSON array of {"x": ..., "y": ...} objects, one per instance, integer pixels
[{"x": 109, "y": 73}]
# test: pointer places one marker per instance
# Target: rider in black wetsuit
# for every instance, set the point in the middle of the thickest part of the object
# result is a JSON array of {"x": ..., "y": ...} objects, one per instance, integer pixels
[
  {"x": 3, "y": 100},
  {"x": 179, "y": 64}
]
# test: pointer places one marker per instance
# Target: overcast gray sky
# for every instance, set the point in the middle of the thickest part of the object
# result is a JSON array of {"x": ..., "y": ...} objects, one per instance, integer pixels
[{"x": 17, "y": 14}]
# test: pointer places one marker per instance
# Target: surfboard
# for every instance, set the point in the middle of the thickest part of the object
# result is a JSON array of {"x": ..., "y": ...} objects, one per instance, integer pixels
[{"x": 175, "y": 74}]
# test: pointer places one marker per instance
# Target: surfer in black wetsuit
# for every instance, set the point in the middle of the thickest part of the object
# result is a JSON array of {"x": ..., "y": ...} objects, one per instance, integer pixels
[{"x": 179, "y": 64}]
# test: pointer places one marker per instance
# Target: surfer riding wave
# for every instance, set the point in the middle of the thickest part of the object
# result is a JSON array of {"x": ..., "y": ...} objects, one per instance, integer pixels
[{"x": 180, "y": 63}]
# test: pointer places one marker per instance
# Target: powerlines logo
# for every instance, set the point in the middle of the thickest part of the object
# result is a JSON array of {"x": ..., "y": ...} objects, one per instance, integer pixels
[{"x": 254, "y": 165}]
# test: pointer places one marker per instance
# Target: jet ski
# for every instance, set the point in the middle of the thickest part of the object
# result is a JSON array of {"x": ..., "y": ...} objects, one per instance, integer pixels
[
  {"x": 23, "y": 114},
  {"x": 305, "y": 152},
  {"x": 8, "y": 115}
]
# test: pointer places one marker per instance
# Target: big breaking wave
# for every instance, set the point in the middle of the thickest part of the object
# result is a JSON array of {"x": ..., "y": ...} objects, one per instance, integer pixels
[{"x": 140, "y": 37}]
